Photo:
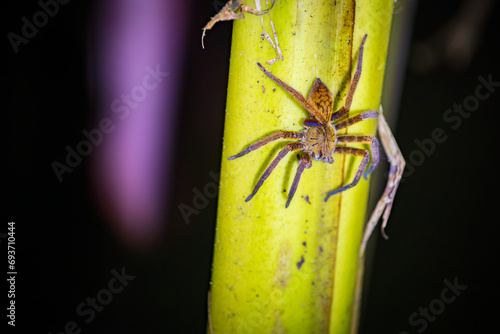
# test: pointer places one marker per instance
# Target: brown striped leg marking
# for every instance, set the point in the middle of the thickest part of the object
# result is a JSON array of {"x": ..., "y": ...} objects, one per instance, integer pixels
[
  {"x": 372, "y": 140},
  {"x": 299, "y": 97},
  {"x": 287, "y": 149},
  {"x": 354, "y": 84},
  {"x": 262, "y": 142},
  {"x": 356, "y": 152},
  {"x": 355, "y": 119},
  {"x": 305, "y": 162}
]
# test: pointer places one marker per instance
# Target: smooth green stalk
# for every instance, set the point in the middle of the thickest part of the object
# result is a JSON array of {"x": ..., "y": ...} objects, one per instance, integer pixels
[{"x": 278, "y": 270}]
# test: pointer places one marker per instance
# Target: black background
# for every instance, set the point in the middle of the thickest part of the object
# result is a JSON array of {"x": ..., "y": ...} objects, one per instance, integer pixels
[{"x": 443, "y": 225}]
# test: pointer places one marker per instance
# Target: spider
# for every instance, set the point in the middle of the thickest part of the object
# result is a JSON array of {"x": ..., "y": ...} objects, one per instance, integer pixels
[{"x": 319, "y": 139}]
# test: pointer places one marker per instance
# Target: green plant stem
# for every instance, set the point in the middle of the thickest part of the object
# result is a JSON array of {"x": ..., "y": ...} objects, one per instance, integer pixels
[{"x": 293, "y": 270}]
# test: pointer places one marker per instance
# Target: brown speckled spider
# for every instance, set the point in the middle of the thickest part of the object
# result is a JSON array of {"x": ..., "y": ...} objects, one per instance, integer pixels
[{"x": 319, "y": 139}]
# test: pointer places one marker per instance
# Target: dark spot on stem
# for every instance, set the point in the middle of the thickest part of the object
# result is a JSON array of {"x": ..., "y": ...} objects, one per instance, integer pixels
[{"x": 301, "y": 262}]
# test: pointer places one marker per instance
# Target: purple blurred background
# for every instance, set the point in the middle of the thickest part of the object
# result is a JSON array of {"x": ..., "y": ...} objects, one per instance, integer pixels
[{"x": 140, "y": 50}]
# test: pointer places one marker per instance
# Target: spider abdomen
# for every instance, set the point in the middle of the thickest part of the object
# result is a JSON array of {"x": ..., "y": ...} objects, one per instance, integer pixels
[{"x": 320, "y": 141}]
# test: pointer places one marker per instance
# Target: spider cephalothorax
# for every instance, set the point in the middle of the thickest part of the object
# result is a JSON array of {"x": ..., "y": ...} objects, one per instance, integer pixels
[{"x": 320, "y": 140}]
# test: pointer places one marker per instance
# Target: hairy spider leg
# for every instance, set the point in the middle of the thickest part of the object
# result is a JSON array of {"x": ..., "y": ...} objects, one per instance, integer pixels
[
  {"x": 354, "y": 84},
  {"x": 264, "y": 141},
  {"x": 355, "y": 119},
  {"x": 356, "y": 152},
  {"x": 287, "y": 149},
  {"x": 372, "y": 140},
  {"x": 299, "y": 97},
  {"x": 305, "y": 162}
]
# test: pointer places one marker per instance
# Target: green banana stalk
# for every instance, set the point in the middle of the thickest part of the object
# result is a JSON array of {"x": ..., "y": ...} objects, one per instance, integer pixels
[{"x": 293, "y": 270}]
